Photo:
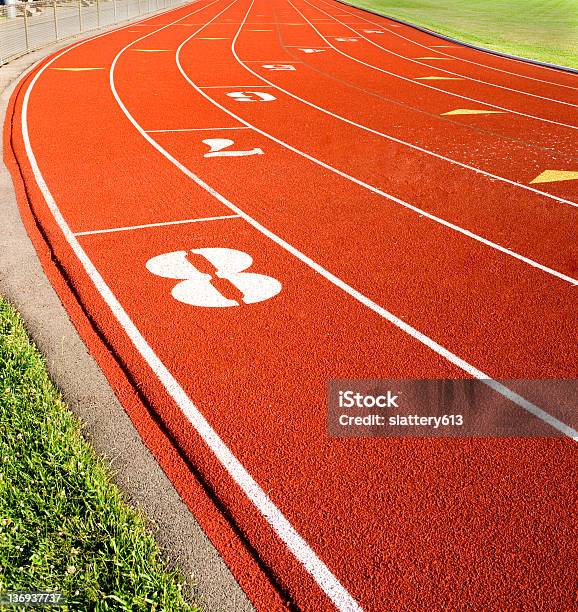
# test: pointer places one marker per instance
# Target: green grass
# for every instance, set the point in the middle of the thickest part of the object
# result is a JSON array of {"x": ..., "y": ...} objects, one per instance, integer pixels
[
  {"x": 63, "y": 525},
  {"x": 545, "y": 30}
]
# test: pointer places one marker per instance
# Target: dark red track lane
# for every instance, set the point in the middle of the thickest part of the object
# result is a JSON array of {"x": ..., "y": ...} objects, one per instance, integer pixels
[{"x": 401, "y": 523}]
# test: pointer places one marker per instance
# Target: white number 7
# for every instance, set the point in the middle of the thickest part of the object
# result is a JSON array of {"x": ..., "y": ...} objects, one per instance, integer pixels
[{"x": 217, "y": 145}]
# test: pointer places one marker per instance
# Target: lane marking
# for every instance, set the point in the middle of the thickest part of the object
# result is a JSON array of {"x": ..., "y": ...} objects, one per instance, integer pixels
[
  {"x": 218, "y": 146},
  {"x": 326, "y": 580},
  {"x": 211, "y": 129},
  {"x": 472, "y": 111},
  {"x": 432, "y": 58},
  {"x": 150, "y": 50},
  {"x": 251, "y": 96},
  {"x": 403, "y": 142},
  {"x": 127, "y": 228},
  {"x": 195, "y": 288},
  {"x": 461, "y": 59},
  {"x": 279, "y": 67},
  {"x": 363, "y": 184},
  {"x": 271, "y": 62},
  {"x": 438, "y": 78},
  {"x": 449, "y": 93},
  {"x": 256, "y": 85},
  {"x": 200, "y": 38},
  {"x": 76, "y": 69},
  {"x": 553, "y": 176},
  {"x": 335, "y": 590}
]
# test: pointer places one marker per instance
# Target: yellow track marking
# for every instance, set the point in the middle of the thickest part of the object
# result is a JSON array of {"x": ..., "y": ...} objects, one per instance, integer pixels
[
  {"x": 472, "y": 111},
  {"x": 552, "y": 176}
]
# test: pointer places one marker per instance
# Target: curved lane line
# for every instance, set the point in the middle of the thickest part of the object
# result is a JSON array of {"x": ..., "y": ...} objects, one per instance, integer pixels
[
  {"x": 300, "y": 549},
  {"x": 328, "y": 583}
]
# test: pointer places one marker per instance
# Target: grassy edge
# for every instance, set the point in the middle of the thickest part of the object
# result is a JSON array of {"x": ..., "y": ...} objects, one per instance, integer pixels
[
  {"x": 499, "y": 41},
  {"x": 63, "y": 524}
]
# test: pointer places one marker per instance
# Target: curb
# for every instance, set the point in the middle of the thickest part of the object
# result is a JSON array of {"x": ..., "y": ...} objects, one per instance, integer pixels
[
  {"x": 88, "y": 394},
  {"x": 461, "y": 42}
]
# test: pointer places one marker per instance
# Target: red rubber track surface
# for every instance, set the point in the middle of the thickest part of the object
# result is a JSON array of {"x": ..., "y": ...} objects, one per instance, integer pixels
[{"x": 398, "y": 523}]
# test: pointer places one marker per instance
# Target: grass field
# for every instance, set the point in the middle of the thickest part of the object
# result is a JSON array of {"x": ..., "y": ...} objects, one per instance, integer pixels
[
  {"x": 63, "y": 524},
  {"x": 545, "y": 30}
]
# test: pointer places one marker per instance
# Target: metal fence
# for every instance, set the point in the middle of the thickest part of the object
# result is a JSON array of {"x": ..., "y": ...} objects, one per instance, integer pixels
[{"x": 27, "y": 26}]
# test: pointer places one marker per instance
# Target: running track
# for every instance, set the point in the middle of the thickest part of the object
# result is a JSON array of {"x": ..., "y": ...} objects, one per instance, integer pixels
[{"x": 404, "y": 243}]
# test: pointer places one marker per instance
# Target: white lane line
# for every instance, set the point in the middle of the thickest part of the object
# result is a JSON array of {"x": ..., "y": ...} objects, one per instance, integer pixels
[
  {"x": 280, "y": 525},
  {"x": 461, "y": 59},
  {"x": 367, "y": 186},
  {"x": 147, "y": 225},
  {"x": 286, "y": 532},
  {"x": 408, "y": 144},
  {"x": 210, "y": 129},
  {"x": 449, "y": 93},
  {"x": 388, "y": 316},
  {"x": 416, "y": 61},
  {"x": 270, "y": 62},
  {"x": 258, "y": 85}
]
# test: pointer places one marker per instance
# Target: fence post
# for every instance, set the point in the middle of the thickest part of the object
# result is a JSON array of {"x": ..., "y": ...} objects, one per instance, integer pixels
[
  {"x": 55, "y": 19},
  {"x": 26, "y": 27},
  {"x": 139, "y": 11},
  {"x": 80, "y": 15},
  {"x": 98, "y": 13},
  {"x": 114, "y": 8},
  {"x": 10, "y": 9}
]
